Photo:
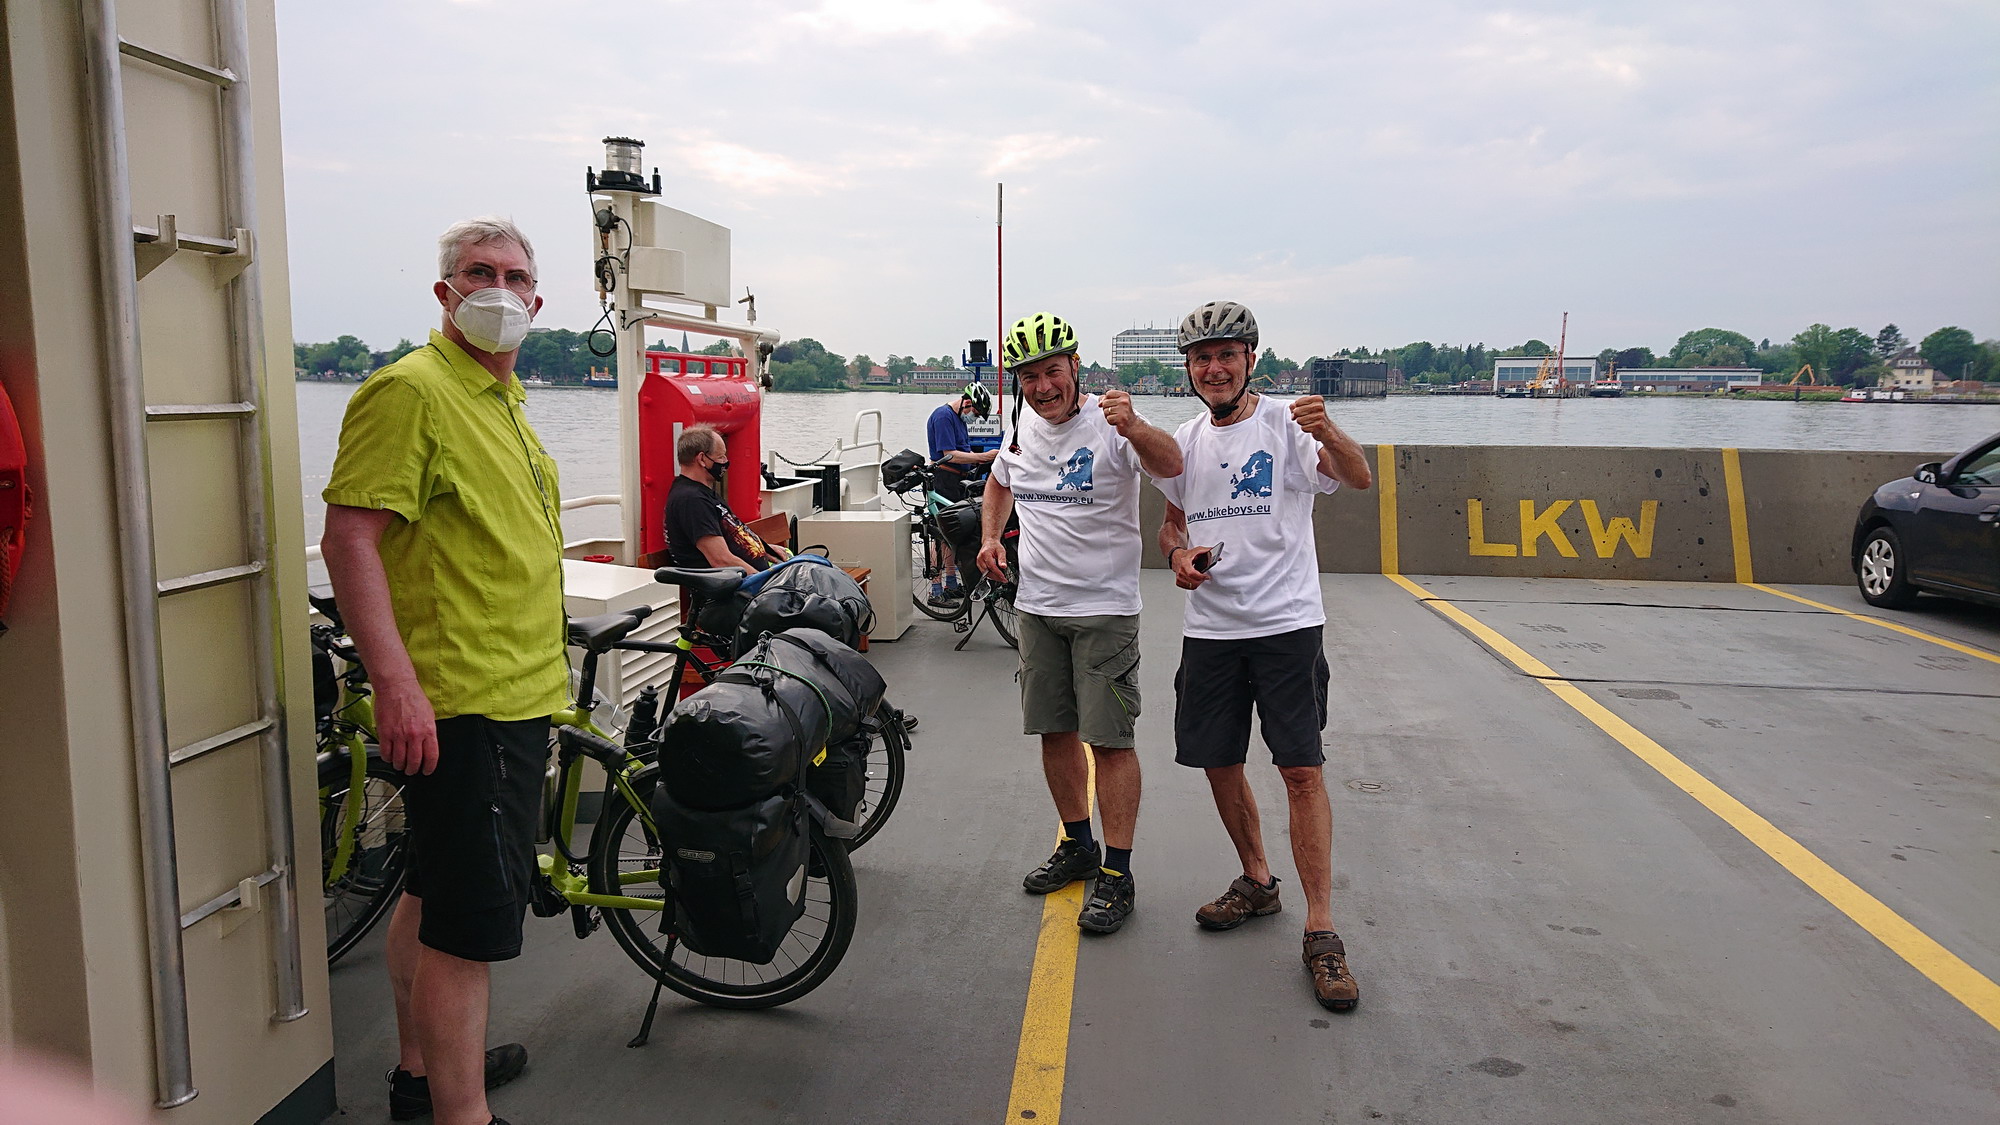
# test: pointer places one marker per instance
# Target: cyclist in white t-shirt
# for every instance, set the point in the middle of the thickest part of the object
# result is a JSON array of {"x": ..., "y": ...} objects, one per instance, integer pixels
[
  {"x": 1239, "y": 535},
  {"x": 1072, "y": 473}
]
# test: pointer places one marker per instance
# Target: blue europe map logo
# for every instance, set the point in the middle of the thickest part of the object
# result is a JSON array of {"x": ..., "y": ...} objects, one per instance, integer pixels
[
  {"x": 1076, "y": 472},
  {"x": 1254, "y": 479}
]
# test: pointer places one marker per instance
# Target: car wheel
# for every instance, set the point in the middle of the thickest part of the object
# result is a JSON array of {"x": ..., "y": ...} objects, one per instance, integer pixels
[{"x": 1884, "y": 574}]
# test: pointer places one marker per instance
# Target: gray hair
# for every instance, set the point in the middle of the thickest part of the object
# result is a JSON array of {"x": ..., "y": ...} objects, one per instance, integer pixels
[
  {"x": 696, "y": 440},
  {"x": 478, "y": 232}
]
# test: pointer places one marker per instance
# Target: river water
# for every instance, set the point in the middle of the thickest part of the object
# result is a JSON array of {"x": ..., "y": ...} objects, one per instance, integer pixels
[{"x": 580, "y": 428}]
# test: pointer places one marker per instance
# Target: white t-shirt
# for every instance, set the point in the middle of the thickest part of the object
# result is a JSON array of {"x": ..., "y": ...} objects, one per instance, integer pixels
[
  {"x": 1076, "y": 489},
  {"x": 1250, "y": 487}
]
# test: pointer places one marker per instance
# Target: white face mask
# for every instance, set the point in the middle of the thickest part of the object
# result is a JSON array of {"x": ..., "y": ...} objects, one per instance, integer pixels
[{"x": 493, "y": 320}]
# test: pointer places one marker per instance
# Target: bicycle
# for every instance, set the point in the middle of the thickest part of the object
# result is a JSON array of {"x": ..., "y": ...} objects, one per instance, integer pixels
[
  {"x": 977, "y": 597},
  {"x": 615, "y": 881},
  {"x": 362, "y": 828}
]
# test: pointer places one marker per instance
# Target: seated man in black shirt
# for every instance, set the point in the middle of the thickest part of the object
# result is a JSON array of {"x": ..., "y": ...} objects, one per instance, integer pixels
[{"x": 701, "y": 530}]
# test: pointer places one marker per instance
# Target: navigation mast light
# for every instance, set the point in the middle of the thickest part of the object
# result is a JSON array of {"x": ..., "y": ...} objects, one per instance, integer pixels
[{"x": 623, "y": 168}]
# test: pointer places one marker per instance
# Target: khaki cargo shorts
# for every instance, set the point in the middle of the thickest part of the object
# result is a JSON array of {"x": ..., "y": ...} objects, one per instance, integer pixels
[{"x": 1080, "y": 674}]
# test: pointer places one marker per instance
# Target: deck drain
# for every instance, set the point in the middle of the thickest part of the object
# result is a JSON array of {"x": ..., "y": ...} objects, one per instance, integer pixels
[{"x": 1366, "y": 785}]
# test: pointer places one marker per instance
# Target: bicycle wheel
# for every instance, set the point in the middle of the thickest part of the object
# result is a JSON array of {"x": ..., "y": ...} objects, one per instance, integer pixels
[
  {"x": 887, "y": 744},
  {"x": 623, "y": 848},
  {"x": 362, "y": 894},
  {"x": 927, "y": 566}
]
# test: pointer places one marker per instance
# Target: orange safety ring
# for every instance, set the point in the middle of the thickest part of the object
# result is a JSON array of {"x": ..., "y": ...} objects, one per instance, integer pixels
[{"x": 17, "y": 503}]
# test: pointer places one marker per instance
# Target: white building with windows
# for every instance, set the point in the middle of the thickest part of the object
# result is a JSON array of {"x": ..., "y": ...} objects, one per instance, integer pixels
[
  {"x": 1909, "y": 371},
  {"x": 1137, "y": 345},
  {"x": 1699, "y": 380}
]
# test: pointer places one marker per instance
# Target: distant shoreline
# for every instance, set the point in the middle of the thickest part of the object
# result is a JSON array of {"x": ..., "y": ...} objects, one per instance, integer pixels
[{"x": 1767, "y": 394}]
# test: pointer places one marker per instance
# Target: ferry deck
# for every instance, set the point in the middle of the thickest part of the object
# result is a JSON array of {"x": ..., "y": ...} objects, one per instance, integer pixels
[{"x": 1604, "y": 850}]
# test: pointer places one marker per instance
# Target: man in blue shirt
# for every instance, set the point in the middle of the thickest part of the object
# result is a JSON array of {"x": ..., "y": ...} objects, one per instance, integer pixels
[
  {"x": 951, "y": 449},
  {"x": 951, "y": 442}
]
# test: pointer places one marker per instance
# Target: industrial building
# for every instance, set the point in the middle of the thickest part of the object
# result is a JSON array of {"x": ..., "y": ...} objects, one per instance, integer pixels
[
  {"x": 1698, "y": 380},
  {"x": 1137, "y": 345}
]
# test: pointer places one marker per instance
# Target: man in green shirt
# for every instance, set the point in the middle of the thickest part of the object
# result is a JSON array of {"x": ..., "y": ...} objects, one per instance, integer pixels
[{"x": 445, "y": 550}]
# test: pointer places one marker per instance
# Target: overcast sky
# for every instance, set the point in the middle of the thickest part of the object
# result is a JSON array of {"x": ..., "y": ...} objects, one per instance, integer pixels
[{"x": 1358, "y": 173}]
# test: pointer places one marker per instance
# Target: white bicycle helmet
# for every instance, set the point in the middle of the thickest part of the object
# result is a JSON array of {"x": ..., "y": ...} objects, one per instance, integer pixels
[{"x": 1218, "y": 320}]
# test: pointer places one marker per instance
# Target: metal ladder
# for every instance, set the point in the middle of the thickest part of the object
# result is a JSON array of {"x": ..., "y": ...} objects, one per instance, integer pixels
[{"x": 122, "y": 259}]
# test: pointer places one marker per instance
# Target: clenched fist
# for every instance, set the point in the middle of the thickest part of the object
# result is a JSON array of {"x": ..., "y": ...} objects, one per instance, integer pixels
[
  {"x": 1310, "y": 414},
  {"x": 1118, "y": 410}
]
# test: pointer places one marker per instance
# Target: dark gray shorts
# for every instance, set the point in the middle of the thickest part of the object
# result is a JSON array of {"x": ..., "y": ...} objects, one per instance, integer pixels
[
  {"x": 1284, "y": 676},
  {"x": 472, "y": 834},
  {"x": 1080, "y": 674}
]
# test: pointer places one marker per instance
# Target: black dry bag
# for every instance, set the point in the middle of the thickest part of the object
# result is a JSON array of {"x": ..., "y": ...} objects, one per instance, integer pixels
[
  {"x": 807, "y": 593},
  {"x": 750, "y": 732},
  {"x": 898, "y": 472}
]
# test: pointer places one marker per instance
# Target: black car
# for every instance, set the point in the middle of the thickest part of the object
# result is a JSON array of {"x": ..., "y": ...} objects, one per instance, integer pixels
[{"x": 1937, "y": 530}]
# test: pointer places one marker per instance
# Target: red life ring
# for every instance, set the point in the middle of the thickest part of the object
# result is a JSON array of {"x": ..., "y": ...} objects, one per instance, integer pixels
[{"x": 17, "y": 503}]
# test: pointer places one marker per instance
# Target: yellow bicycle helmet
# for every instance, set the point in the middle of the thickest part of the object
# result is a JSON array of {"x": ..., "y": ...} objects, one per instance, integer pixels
[{"x": 1037, "y": 337}]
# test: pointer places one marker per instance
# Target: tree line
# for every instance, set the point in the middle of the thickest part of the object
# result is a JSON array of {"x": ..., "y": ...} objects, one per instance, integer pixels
[
  {"x": 557, "y": 356},
  {"x": 1843, "y": 356}
]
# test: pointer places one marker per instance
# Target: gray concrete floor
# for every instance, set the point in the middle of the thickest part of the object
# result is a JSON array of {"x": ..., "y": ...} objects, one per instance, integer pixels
[{"x": 1544, "y": 928}]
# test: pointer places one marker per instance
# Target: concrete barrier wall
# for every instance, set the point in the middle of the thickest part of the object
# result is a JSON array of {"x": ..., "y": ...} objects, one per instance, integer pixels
[{"x": 1700, "y": 515}]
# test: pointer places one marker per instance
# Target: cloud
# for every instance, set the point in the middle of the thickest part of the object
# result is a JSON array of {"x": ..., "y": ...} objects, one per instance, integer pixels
[
  {"x": 743, "y": 168},
  {"x": 1279, "y": 280},
  {"x": 1022, "y": 152},
  {"x": 954, "y": 23}
]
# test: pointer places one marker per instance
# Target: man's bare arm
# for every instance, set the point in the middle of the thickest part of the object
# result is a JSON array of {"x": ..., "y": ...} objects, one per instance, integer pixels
[
  {"x": 1181, "y": 555},
  {"x": 1173, "y": 530},
  {"x": 405, "y": 723},
  {"x": 1344, "y": 461},
  {"x": 1159, "y": 454},
  {"x": 1340, "y": 456},
  {"x": 997, "y": 506},
  {"x": 716, "y": 550}
]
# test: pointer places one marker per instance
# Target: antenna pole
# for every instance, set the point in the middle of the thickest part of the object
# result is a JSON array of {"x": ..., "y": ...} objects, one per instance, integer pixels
[{"x": 1562, "y": 369}]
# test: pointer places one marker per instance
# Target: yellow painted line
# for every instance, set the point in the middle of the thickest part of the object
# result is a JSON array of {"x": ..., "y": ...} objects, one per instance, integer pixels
[
  {"x": 1892, "y": 626},
  {"x": 1739, "y": 516},
  {"x": 1385, "y": 506},
  {"x": 1042, "y": 1059},
  {"x": 1945, "y": 968}
]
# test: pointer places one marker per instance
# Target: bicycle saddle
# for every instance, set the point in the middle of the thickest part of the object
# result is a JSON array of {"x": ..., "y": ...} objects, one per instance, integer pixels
[
  {"x": 606, "y": 629},
  {"x": 321, "y": 598},
  {"x": 719, "y": 582}
]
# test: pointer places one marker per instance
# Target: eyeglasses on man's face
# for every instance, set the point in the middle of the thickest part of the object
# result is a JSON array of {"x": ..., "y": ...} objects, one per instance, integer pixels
[
  {"x": 484, "y": 277},
  {"x": 1218, "y": 357}
]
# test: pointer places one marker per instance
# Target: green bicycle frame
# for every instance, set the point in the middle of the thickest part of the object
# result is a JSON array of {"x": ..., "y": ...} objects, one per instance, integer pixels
[{"x": 358, "y": 717}]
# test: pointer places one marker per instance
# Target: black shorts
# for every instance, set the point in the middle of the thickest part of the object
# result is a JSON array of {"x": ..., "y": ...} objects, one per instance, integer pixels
[
  {"x": 472, "y": 834},
  {"x": 1284, "y": 675}
]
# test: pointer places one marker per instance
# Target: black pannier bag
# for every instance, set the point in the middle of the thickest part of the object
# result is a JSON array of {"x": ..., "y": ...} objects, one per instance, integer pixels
[
  {"x": 810, "y": 595},
  {"x": 326, "y": 684},
  {"x": 750, "y": 732},
  {"x": 839, "y": 776},
  {"x": 897, "y": 474},
  {"x": 718, "y": 617},
  {"x": 736, "y": 878},
  {"x": 960, "y": 523}
]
